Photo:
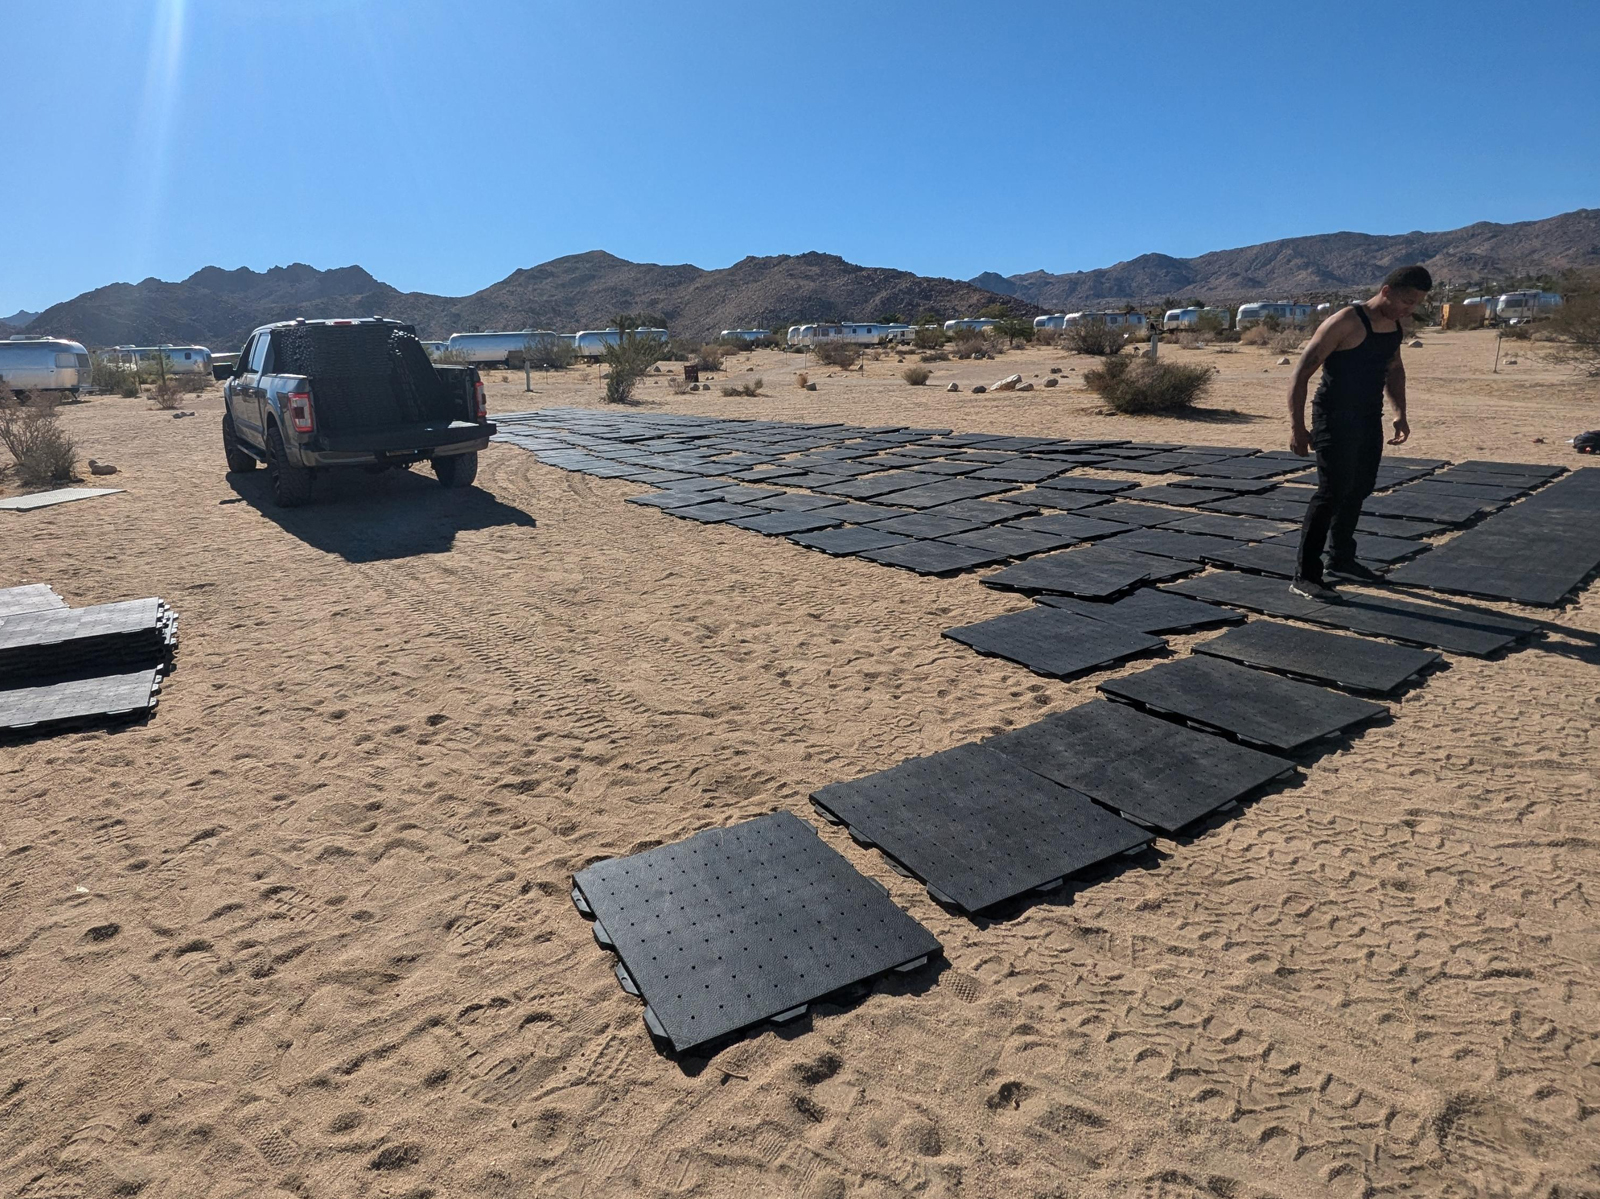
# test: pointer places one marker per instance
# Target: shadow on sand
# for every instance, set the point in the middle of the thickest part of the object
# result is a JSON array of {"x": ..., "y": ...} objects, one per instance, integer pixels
[{"x": 371, "y": 518}]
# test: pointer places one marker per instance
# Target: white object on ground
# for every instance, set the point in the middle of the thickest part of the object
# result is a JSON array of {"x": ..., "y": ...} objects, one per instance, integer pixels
[{"x": 46, "y": 499}]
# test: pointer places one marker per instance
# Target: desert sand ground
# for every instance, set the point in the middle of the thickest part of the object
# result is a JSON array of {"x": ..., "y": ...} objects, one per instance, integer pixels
[{"x": 334, "y": 953}]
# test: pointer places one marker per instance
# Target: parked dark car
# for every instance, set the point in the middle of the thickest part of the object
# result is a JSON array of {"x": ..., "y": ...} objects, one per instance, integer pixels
[{"x": 307, "y": 396}]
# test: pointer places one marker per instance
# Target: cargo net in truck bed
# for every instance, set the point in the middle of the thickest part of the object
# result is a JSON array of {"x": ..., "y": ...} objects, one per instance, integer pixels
[{"x": 365, "y": 376}]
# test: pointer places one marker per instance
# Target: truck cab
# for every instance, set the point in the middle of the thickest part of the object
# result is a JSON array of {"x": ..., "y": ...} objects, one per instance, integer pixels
[{"x": 307, "y": 396}]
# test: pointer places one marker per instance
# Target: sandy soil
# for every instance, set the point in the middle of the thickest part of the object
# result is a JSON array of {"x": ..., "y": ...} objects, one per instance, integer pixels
[{"x": 307, "y": 932}]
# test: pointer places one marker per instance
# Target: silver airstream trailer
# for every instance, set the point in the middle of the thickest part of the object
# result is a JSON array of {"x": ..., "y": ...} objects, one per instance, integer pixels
[
  {"x": 743, "y": 334},
  {"x": 1055, "y": 320},
  {"x": 1193, "y": 316},
  {"x": 591, "y": 343},
  {"x": 969, "y": 322},
  {"x": 1284, "y": 313},
  {"x": 43, "y": 364},
  {"x": 165, "y": 359},
  {"x": 495, "y": 349}
]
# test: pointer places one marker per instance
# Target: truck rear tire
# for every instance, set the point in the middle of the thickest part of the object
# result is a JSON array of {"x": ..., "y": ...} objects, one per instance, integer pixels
[
  {"x": 457, "y": 470},
  {"x": 291, "y": 484},
  {"x": 238, "y": 460}
]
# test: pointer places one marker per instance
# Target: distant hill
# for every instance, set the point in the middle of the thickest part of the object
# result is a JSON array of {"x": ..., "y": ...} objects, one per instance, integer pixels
[
  {"x": 218, "y": 308},
  {"x": 1315, "y": 267},
  {"x": 18, "y": 319}
]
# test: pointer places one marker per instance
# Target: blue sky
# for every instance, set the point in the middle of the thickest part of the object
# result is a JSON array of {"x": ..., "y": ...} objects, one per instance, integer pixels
[{"x": 443, "y": 145}]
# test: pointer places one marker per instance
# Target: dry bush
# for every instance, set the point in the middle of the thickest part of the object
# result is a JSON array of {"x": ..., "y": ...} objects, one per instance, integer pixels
[
  {"x": 1046, "y": 336},
  {"x": 749, "y": 390},
  {"x": 42, "y": 450},
  {"x": 166, "y": 395},
  {"x": 1257, "y": 335},
  {"x": 709, "y": 357},
  {"x": 1189, "y": 341},
  {"x": 546, "y": 353},
  {"x": 677, "y": 386},
  {"x": 927, "y": 337},
  {"x": 837, "y": 353},
  {"x": 916, "y": 375},
  {"x": 801, "y": 378},
  {"x": 113, "y": 378},
  {"x": 975, "y": 343},
  {"x": 1576, "y": 327},
  {"x": 1288, "y": 342},
  {"x": 1146, "y": 385},
  {"x": 630, "y": 359},
  {"x": 1094, "y": 338},
  {"x": 934, "y": 356}
]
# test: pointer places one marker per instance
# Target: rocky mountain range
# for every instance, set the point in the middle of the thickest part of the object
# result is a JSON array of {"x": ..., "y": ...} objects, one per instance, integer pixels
[
  {"x": 1318, "y": 267},
  {"x": 218, "y": 308}
]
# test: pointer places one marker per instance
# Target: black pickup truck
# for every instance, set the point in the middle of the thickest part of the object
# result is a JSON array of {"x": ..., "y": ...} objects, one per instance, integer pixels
[{"x": 309, "y": 395}]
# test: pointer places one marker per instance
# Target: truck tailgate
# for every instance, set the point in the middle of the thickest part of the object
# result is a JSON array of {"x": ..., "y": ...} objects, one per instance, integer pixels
[{"x": 429, "y": 435}]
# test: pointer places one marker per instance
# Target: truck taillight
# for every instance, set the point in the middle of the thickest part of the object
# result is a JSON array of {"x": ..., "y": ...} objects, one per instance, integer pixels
[
  {"x": 300, "y": 416},
  {"x": 483, "y": 401}
]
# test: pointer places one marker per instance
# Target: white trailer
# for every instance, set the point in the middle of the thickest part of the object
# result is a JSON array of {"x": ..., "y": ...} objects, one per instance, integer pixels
[
  {"x": 1285, "y": 313},
  {"x": 1514, "y": 307},
  {"x": 591, "y": 343},
  {"x": 1191, "y": 317},
  {"x": 743, "y": 334},
  {"x": 435, "y": 348},
  {"x": 1056, "y": 320},
  {"x": 43, "y": 364},
  {"x": 969, "y": 322},
  {"x": 1111, "y": 320},
  {"x": 856, "y": 333},
  {"x": 178, "y": 360}
]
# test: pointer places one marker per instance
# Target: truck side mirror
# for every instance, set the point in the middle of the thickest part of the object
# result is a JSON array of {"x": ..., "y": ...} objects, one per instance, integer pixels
[{"x": 221, "y": 370}]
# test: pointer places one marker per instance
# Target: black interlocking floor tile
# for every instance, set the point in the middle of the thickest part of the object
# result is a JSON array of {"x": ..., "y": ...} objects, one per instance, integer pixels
[
  {"x": 921, "y": 524},
  {"x": 933, "y": 557},
  {"x": 32, "y": 597},
  {"x": 1084, "y": 483},
  {"x": 985, "y": 512},
  {"x": 715, "y": 512},
  {"x": 976, "y": 827},
  {"x": 739, "y": 925},
  {"x": 129, "y": 693},
  {"x": 1077, "y": 527},
  {"x": 1092, "y": 572},
  {"x": 852, "y": 539},
  {"x": 1053, "y": 641},
  {"x": 1260, "y": 709},
  {"x": 798, "y": 501},
  {"x": 1353, "y": 663},
  {"x": 947, "y": 491},
  {"x": 1148, "y": 610},
  {"x": 1240, "y": 528},
  {"x": 1129, "y": 513},
  {"x": 1011, "y": 541},
  {"x": 1153, "y": 771},
  {"x": 1061, "y": 501},
  {"x": 781, "y": 524},
  {"x": 1182, "y": 497}
]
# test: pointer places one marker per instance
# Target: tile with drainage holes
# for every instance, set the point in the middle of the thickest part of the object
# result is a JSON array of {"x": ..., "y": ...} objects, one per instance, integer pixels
[
  {"x": 1260, "y": 709},
  {"x": 985, "y": 512},
  {"x": 31, "y": 597},
  {"x": 852, "y": 539},
  {"x": 736, "y": 926},
  {"x": 131, "y": 693},
  {"x": 1011, "y": 541},
  {"x": 1149, "y": 770},
  {"x": 798, "y": 501},
  {"x": 715, "y": 512},
  {"x": 1077, "y": 526},
  {"x": 781, "y": 524},
  {"x": 1128, "y": 512},
  {"x": 1181, "y": 497},
  {"x": 1075, "y": 483},
  {"x": 976, "y": 827},
  {"x": 1060, "y": 501},
  {"x": 923, "y": 524},
  {"x": 933, "y": 557},
  {"x": 1148, "y": 610},
  {"x": 1353, "y": 663},
  {"x": 1053, "y": 641},
  {"x": 948, "y": 491},
  {"x": 1239, "y": 528}
]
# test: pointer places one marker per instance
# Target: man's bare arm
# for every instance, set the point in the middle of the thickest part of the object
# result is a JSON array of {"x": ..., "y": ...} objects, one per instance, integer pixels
[
  {"x": 1395, "y": 383},
  {"x": 1328, "y": 338}
]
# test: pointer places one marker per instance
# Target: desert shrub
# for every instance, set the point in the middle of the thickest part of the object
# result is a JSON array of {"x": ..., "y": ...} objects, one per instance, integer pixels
[
  {"x": 1046, "y": 337},
  {"x": 166, "y": 394},
  {"x": 709, "y": 357},
  {"x": 1014, "y": 329},
  {"x": 1094, "y": 338},
  {"x": 1257, "y": 335},
  {"x": 1288, "y": 341},
  {"x": 678, "y": 386},
  {"x": 801, "y": 379},
  {"x": 1575, "y": 326},
  {"x": 1188, "y": 339},
  {"x": 35, "y": 439},
  {"x": 1145, "y": 385},
  {"x": 749, "y": 390},
  {"x": 916, "y": 375},
  {"x": 928, "y": 337},
  {"x": 629, "y": 359},
  {"x": 934, "y": 356},
  {"x": 973, "y": 343},
  {"x": 547, "y": 353},
  {"x": 1522, "y": 332},
  {"x": 113, "y": 378},
  {"x": 837, "y": 353}
]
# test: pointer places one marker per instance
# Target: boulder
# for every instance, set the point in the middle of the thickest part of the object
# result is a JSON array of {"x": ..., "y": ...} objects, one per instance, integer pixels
[
  {"x": 1283, "y": 362},
  {"x": 979, "y": 389},
  {"x": 954, "y": 387},
  {"x": 1416, "y": 343},
  {"x": 1009, "y": 383},
  {"x": 1023, "y": 387},
  {"x": 101, "y": 468},
  {"x": 811, "y": 386},
  {"x": 1052, "y": 382}
]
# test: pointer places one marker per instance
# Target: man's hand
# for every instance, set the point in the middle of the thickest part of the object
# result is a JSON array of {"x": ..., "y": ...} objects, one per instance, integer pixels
[
  {"x": 1402, "y": 431},
  {"x": 1300, "y": 441}
]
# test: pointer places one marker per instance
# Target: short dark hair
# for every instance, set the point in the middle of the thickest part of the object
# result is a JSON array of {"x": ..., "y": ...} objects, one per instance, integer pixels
[{"x": 1415, "y": 277}]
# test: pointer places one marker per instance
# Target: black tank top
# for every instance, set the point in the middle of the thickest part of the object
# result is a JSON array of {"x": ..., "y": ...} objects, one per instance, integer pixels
[{"x": 1352, "y": 380}]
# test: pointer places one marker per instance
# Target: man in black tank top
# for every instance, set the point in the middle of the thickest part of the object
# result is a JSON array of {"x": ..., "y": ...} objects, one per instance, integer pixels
[{"x": 1358, "y": 349}]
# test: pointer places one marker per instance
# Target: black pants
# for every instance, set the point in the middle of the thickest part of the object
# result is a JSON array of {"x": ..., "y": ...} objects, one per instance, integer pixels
[{"x": 1348, "y": 454}]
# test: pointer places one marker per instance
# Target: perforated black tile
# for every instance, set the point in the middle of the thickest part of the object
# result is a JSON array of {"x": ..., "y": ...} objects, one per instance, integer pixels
[
  {"x": 1053, "y": 641},
  {"x": 102, "y": 639},
  {"x": 798, "y": 501},
  {"x": 922, "y": 524},
  {"x": 1060, "y": 501},
  {"x": 1129, "y": 513},
  {"x": 1073, "y": 525},
  {"x": 1022, "y": 472},
  {"x": 1240, "y": 528},
  {"x": 1456, "y": 628},
  {"x": 1390, "y": 526},
  {"x": 1084, "y": 483},
  {"x": 1278, "y": 504},
  {"x": 1259, "y": 708},
  {"x": 1011, "y": 541},
  {"x": 671, "y": 499},
  {"x": 872, "y": 486},
  {"x": 1240, "y": 468},
  {"x": 1369, "y": 546},
  {"x": 1092, "y": 572},
  {"x": 948, "y": 491},
  {"x": 715, "y": 512},
  {"x": 985, "y": 512},
  {"x": 1353, "y": 663},
  {"x": 976, "y": 827},
  {"x": 739, "y": 925},
  {"x": 852, "y": 539},
  {"x": 1181, "y": 497},
  {"x": 1151, "y": 770},
  {"x": 933, "y": 557},
  {"x": 1411, "y": 504},
  {"x": 1169, "y": 543},
  {"x": 1149, "y": 610},
  {"x": 781, "y": 524},
  {"x": 130, "y": 693}
]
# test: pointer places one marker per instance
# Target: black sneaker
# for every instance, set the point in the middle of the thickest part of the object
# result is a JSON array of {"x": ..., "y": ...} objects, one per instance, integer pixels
[
  {"x": 1314, "y": 589},
  {"x": 1356, "y": 571}
]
